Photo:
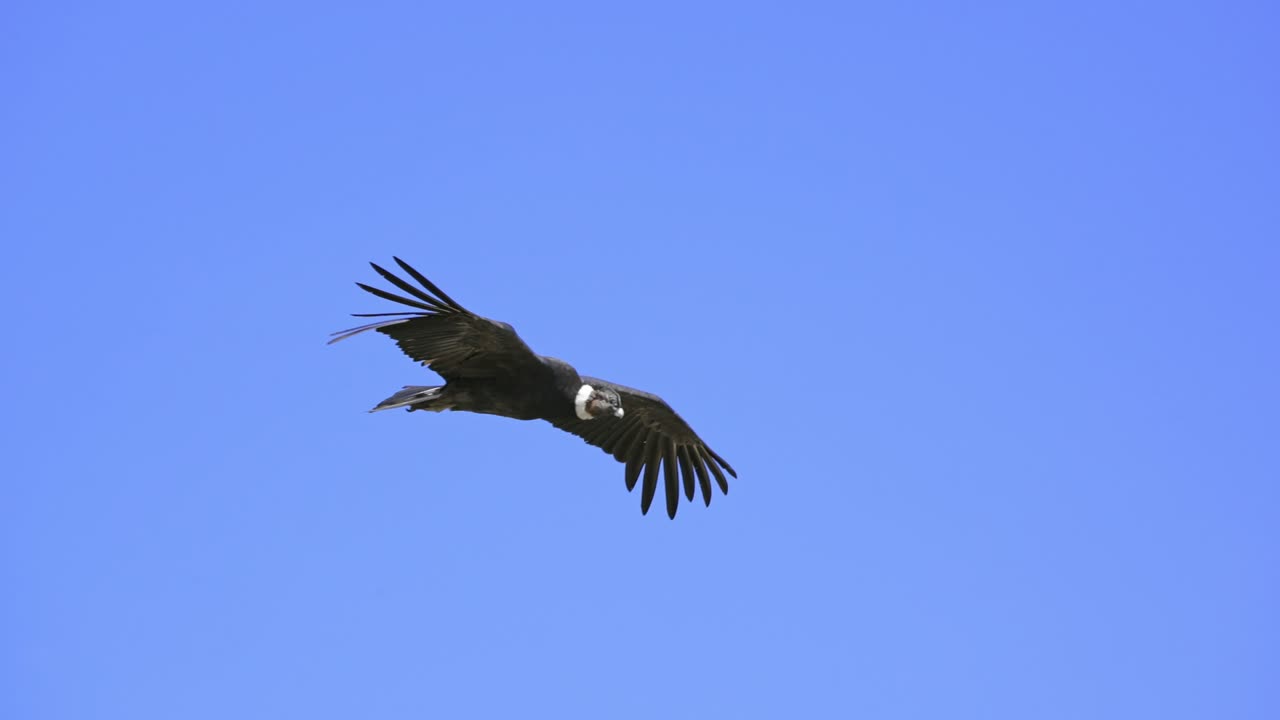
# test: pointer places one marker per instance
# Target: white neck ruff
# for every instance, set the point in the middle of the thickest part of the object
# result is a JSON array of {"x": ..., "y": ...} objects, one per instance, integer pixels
[{"x": 580, "y": 402}]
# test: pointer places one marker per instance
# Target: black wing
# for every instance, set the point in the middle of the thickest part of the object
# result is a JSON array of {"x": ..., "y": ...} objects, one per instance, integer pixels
[
  {"x": 648, "y": 435},
  {"x": 442, "y": 334}
]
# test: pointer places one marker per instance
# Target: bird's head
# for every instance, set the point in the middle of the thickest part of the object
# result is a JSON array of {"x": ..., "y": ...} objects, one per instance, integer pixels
[{"x": 591, "y": 403}]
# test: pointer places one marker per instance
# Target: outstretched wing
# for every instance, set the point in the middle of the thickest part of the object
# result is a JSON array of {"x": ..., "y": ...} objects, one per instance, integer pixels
[
  {"x": 442, "y": 334},
  {"x": 649, "y": 435}
]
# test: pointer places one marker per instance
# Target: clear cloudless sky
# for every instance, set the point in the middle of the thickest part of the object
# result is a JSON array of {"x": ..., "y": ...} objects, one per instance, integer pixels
[{"x": 979, "y": 299}]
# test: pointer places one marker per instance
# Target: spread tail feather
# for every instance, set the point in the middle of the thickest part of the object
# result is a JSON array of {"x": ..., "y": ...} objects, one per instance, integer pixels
[{"x": 416, "y": 397}]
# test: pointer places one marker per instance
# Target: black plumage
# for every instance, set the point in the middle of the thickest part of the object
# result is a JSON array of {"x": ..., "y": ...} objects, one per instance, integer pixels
[{"x": 488, "y": 369}]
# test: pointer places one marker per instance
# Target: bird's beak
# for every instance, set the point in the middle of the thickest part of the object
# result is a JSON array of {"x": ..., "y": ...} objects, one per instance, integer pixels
[{"x": 618, "y": 412}]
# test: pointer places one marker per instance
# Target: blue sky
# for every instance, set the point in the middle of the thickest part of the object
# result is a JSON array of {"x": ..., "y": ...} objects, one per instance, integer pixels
[{"x": 980, "y": 302}]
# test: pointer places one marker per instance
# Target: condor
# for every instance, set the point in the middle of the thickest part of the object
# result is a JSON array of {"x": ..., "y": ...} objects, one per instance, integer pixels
[{"x": 488, "y": 369}]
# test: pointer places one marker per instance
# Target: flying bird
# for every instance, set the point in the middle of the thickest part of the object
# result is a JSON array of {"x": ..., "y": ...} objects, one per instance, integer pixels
[{"x": 488, "y": 369}]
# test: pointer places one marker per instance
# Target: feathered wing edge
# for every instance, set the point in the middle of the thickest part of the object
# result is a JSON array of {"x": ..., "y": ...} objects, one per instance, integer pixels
[
  {"x": 650, "y": 451},
  {"x": 678, "y": 460},
  {"x": 432, "y": 302}
]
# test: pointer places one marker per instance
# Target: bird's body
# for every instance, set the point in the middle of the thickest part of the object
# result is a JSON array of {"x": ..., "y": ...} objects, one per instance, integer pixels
[
  {"x": 488, "y": 369},
  {"x": 533, "y": 393}
]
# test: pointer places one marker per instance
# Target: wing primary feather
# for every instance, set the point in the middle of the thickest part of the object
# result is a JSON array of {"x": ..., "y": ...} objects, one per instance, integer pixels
[
  {"x": 635, "y": 461},
  {"x": 395, "y": 298},
  {"x": 433, "y": 302},
  {"x": 653, "y": 456},
  {"x": 720, "y": 460},
  {"x": 428, "y": 284},
  {"x": 704, "y": 480},
  {"x": 671, "y": 478},
  {"x": 715, "y": 469},
  {"x": 686, "y": 470},
  {"x": 395, "y": 314},
  {"x": 344, "y": 334},
  {"x": 633, "y": 471}
]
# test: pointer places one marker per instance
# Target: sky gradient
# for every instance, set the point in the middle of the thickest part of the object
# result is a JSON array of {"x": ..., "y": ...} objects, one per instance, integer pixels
[{"x": 980, "y": 302}]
